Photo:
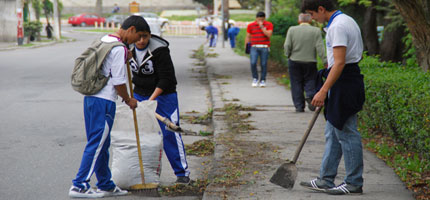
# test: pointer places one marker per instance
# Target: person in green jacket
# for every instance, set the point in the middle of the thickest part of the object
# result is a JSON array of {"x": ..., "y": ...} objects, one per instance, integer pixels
[{"x": 301, "y": 46}]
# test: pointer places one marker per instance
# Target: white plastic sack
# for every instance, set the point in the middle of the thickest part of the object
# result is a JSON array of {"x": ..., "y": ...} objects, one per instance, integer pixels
[{"x": 125, "y": 161}]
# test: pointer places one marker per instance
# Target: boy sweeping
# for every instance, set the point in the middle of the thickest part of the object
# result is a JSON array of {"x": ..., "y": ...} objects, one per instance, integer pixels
[
  {"x": 99, "y": 113},
  {"x": 342, "y": 94}
]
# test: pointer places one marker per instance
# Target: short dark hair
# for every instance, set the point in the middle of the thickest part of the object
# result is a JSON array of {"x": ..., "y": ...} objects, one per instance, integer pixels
[
  {"x": 138, "y": 22},
  {"x": 261, "y": 14},
  {"x": 314, "y": 4}
]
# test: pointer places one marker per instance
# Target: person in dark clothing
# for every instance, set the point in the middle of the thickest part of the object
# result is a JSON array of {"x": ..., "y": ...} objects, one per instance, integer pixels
[
  {"x": 154, "y": 79},
  {"x": 302, "y": 44},
  {"x": 48, "y": 30},
  {"x": 342, "y": 94}
]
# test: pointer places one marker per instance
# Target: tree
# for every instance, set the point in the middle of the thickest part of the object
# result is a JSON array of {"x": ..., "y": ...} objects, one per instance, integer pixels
[
  {"x": 417, "y": 16},
  {"x": 207, "y": 3},
  {"x": 99, "y": 7}
]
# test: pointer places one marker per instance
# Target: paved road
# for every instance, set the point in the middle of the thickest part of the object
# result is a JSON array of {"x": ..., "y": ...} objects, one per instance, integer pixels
[{"x": 42, "y": 127}]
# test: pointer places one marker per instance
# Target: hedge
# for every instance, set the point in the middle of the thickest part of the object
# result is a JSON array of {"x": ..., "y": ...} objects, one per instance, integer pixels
[{"x": 397, "y": 103}]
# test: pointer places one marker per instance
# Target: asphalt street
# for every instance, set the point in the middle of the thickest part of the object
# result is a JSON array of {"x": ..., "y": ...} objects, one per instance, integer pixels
[{"x": 42, "y": 127}]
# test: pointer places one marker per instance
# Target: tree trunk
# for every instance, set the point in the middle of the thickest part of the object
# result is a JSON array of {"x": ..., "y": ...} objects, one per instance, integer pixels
[
  {"x": 392, "y": 45},
  {"x": 37, "y": 3},
  {"x": 417, "y": 16},
  {"x": 369, "y": 31},
  {"x": 268, "y": 8},
  {"x": 57, "y": 22},
  {"x": 99, "y": 7}
]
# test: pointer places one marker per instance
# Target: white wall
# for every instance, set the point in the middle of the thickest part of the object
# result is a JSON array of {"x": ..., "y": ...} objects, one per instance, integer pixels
[{"x": 8, "y": 21}]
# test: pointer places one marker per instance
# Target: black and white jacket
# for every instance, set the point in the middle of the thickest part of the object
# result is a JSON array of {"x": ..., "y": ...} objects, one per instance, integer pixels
[{"x": 156, "y": 70}]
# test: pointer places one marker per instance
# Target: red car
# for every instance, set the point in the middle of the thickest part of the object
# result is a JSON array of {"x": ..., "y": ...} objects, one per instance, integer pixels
[{"x": 85, "y": 19}]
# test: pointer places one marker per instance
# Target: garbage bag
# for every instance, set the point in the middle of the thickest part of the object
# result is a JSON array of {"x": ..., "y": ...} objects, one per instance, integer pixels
[{"x": 125, "y": 159}]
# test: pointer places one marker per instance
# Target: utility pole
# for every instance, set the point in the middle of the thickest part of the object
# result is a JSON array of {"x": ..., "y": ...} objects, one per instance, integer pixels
[
  {"x": 57, "y": 22},
  {"x": 215, "y": 11},
  {"x": 225, "y": 17},
  {"x": 268, "y": 7},
  {"x": 99, "y": 7}
]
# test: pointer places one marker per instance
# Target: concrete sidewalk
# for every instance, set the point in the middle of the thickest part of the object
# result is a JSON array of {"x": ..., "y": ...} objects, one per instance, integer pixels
[{"x": 279, "y": 126}]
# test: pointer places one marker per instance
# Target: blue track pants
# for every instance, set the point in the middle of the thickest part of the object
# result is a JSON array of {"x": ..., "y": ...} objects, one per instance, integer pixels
[
  {"x": 99, "y": 116},
  {"x": 167, "y": 106}
]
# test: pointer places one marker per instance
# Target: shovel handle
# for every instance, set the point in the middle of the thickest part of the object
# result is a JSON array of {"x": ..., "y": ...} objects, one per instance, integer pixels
[
  {"x": 168, "y": 123},
  {"x": 305, "y": 136}
]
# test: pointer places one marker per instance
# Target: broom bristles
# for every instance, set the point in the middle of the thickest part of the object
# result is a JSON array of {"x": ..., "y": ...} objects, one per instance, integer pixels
[{"x": 149, "y": 190}]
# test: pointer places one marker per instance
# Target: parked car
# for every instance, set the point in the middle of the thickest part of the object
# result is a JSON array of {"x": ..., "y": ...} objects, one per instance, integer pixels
[
  {"x": 85, "y": 19},
  {"x": 153, "y": 18},
  {"x": 214, "y": 19},
  {"x": 117, "y": 19}
]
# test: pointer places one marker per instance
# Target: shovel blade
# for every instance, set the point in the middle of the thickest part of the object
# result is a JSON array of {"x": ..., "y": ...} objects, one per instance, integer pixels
[{"x": 285, "y": 175}]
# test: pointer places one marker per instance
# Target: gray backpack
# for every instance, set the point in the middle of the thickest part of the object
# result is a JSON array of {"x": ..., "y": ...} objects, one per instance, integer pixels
[{"x": 87, "y": 77}]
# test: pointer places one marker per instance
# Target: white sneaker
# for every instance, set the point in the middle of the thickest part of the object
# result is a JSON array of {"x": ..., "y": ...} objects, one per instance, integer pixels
[
  {"x": 254, "y": 83},
  {"x": 262, "y": 83},
  {"x": 114, "y": 192},
  {"x": 76, "y": 192}
]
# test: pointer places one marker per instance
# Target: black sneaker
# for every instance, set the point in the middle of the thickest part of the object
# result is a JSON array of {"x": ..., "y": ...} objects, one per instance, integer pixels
[
  {"x": 183, "y": 180},
  {"x": 310, "y": 106},
  {"x": 76, "y": 192},
  {"x": 345, "y": 189},
  {"x": 316, "y": 184},
  {"x": 300, "y": 110}
]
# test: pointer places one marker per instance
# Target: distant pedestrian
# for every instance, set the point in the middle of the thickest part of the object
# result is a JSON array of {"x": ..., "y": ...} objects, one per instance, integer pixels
[
  {"x": 258, "y": 34},
  {"x": 99, "y": 115},
  {"x": 212, "y": 35},
  {"x": 115, "y": 8},
  {"x": 301, "y": 46},
  {"x": 48, "y": 30},
  {"x": 232, "y": 32},
  {"x": 342, "y": 95}
]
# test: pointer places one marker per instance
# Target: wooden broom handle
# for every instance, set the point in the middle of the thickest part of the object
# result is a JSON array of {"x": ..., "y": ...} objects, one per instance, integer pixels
[{"x": 136, "y": 128}]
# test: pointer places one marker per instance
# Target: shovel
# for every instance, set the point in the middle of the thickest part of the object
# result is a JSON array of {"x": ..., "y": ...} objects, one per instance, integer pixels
[
  {"x": 173, "y": 127},
  {"x": 286, "y": 174}
]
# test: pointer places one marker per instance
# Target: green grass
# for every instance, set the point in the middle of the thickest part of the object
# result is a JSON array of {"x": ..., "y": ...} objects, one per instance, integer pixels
[
  {"x": 182, "y": 17},
  {"x": 243, "y": 17},
  {"x": 235, "y": 17},
  {"x": 97, "y": 30}
]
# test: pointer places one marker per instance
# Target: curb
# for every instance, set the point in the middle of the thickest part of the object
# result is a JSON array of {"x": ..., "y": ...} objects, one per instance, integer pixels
[
  {"x": 39, "y": 44},
  {"x": 217, "y": 124}
]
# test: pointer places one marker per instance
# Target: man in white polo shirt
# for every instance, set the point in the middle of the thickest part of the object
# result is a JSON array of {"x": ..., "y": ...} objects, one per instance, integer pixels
[{"x": 342, "y": 95}]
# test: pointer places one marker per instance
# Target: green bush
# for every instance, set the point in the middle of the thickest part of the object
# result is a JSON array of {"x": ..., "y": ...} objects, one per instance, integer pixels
[
  {"x": 277, "y": 49},
  {"x": 281, "y": 23},
  {"x": 397, "y": 103},
  {"x": 32, "y": 28}
]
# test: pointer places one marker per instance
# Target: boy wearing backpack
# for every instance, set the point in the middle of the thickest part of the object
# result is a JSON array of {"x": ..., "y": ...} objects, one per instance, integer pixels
[
  {"x": 154, "y": 79},
  {"x": 99, "y": 113}
]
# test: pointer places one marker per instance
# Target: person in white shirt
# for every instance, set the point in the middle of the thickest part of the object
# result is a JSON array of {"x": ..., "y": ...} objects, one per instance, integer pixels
[
  {"x": 99, "y": 114},
  {"x": 342, "y": 95}
]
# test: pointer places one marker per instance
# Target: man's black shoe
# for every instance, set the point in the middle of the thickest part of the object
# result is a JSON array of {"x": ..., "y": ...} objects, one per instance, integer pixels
[
  {"x": 300, "y": 110},
  {"x": 345, "y": 189},
  {"x": 183, "y": 180},
  {"x": 316, "y": 184}
]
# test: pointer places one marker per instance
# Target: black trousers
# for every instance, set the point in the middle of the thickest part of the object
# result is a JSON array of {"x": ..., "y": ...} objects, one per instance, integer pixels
[{"x": 302, "y": 79}]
